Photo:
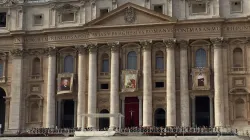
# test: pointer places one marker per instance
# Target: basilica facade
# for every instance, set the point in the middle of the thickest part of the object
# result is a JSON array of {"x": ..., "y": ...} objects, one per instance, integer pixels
[{"x": 157, "y": 62}]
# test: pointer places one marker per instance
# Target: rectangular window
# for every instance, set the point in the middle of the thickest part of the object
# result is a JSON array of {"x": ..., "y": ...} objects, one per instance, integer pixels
[
  {"x": 104, "y": 11},
  {"x": 66, "y": 17},
  {"x": 104, "y": 86},
  {"x": 159, "y": 63},
  {"x": 158, "y": 8},
  {"x": 1, "y": 69},
  {"x": 236, "y": 6},
  {"x": 38, "y": 19},
  {"x": 199, "y": 8},
  {"x": 159, "y": 84},
  {"x": 3, "y": 19}
]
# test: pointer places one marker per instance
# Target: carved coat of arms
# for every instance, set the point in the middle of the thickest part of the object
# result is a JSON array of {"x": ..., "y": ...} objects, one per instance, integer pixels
[{"x": 130, "y": 15}]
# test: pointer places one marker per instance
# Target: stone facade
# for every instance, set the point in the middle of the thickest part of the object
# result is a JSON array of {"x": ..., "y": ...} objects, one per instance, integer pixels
[{"x": 179, "y": 56}]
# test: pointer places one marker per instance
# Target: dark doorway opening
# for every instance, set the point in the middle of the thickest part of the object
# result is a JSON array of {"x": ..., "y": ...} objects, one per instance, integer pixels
[
  {"x": 2, "y": 109},
  {"x": 202, "y": 111},
  {"x": 104, "y": 122},
  {"x": 160, "y": 117},
  {"x": 68, "y": 114},
  {"x": 131, "y": 112}
]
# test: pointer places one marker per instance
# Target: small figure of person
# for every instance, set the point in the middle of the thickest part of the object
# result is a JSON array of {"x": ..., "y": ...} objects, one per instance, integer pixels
[{"x": 65, "y": 84}]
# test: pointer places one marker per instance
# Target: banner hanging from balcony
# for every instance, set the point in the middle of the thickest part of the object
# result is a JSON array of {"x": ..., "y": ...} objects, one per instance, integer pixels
[
  {"x": 129, "y": 80},
  {"x": 65, "y": 83}
]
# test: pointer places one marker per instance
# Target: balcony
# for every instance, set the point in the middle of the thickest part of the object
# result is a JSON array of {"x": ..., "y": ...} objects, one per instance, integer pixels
[
  {"x": 238, "y": 70},
  {"x": 35, "y": 77},
  {"x": 37, "y": 1},
  {"x": 104, "y": 74}
]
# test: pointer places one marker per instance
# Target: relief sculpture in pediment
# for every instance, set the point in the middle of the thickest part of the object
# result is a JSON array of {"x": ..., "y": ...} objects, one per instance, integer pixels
[{"x": 130, "y": 15}]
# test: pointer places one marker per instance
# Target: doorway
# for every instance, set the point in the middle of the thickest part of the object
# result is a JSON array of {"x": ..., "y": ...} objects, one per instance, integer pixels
[
  {"x": 2, "y": 110},
  {"x": 160, "y": 117},
  {"x": 202, "y": 111},
  {"x": 68, "y": 114},
  {"x": 104, "y": 122},
  {"x": 131, "y": 112}
]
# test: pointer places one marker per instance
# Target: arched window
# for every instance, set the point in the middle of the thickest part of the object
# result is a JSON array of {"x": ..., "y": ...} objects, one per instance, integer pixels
[
  {"x": 237, "y": 57},
  {"x": 1, "y": 68},
  {"x": 239, "y": 108},
  {"x": 69, "y": 64},
  {"x": 159, "y": 60},
  {"x": 132, "y": 60},
  {"x": 36, "y": 66},
  {"x": 34, "y": 112},
  {"x": 200, "y": 58},
  {"x": 105, "y": 63}
]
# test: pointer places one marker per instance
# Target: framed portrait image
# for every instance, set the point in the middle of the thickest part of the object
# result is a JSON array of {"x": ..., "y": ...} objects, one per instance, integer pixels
[
  {"x": 129, "y": 80},
  {"x": 65, "y": 83},
  {"x": 201, "y": 78}
]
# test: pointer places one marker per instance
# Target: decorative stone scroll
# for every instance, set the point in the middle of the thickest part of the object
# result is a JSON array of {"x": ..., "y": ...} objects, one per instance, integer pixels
[
  {"x": 129, "y": 80},
  {"x": 130, "y": 15},
  {"x": 170, "y": 43},
  {"x": 36, "y": 52},
  {"x": 50, "y": 51},
  {"x": 217, "y": 42},
  {"x": 82, "y": 49},
  {"x": 8, "y": 3},
  {"x": 114, "y": 46},
  {"x": 91, "y": 47},
  {"x": 65, "y": 83},
  {"x": 17, "y": 53},
  {"x": 146, "y": 44}
]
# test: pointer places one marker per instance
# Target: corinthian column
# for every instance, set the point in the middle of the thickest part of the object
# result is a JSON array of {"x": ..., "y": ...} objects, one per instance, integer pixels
[
  {"x": 147, "y": 84},
  {"x": 114, "y": 90},
  {"x": 218, "y": 83},
  {"x": 92, "y": 85},
  {"x": 81, "y": 84},
  {"x": 171, "y": 97},
  {"x": 184, "y": 95},
  {"x": 50, "y": 111},
  {"x": 16, "y": 90}
]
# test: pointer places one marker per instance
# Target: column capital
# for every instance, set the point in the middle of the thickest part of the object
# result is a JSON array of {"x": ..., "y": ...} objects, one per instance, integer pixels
[
  {"x": 17, "y": 53},
  {"x": 146, "y": 44},
  {"x": 51, "y": 51},
  {"x": 140, "y": 97},
  {"x": 114, "y": 46},
  {"x": 217, "y": 42},
  {"x": 183, "y": 43},
  {"x": 170, "y": 43},
  {"x": 92, "y": 47},
  {"x": 81, "y": 49}
]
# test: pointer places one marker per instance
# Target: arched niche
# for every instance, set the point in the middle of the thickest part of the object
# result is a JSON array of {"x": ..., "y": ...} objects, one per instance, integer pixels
[{"x": 63, "y": 54}]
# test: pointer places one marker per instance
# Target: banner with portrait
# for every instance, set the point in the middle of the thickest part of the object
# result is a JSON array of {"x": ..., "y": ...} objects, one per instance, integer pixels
[
  {"x": 201, "y": 78},
  {"x": 129, "y": 80},
  {"x": 65, "y": 83}
]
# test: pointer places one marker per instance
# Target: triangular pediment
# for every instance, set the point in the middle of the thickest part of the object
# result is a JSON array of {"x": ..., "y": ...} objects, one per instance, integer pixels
[{"x": 131, "y": 14}]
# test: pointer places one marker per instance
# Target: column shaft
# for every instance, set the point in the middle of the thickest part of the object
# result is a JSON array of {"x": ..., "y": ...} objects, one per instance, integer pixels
[
  {"x": 92, "y": 85},
  {"x": 114, "y": 91},
  {"x": 211, "y": 110},
  {"x": 16, "y": 94},
  {"x": 81, "y": 101},
  {"x": 184, "y": 94},
  {"x": 123, "y": 111},
  {"x": 147, "y": 85},
  {"x": 218, "y": 87},
  {"x": 140, "y": 111},
  {"x": 50, "y": 112},
  {"x": 171, "y": 97}
]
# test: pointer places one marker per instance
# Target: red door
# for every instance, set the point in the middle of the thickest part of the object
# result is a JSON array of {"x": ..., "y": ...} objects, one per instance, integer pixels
[{"x": 131, "y": 112}]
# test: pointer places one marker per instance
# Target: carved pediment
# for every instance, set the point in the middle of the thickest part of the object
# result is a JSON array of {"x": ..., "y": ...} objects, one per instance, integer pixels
[
  {"x": 66, "y": 8},
  {"x": 131, "y": 14},
  {"x": 8, "y": 3}
]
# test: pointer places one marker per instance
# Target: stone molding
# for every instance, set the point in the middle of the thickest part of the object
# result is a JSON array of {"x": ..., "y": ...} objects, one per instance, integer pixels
[
  {"x": 146, "y": 44},
  {"x": 65, "y": 7},
  {"x": 114, "y": 46},
  {"x": 170, "y": 43},
  {"x": 217, "y": 42},
  {"x": 35, "y": 52}
]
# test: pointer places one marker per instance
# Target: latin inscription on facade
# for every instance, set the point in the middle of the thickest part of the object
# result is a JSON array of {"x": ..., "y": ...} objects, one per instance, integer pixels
[{"x": 136, "y": 32}]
